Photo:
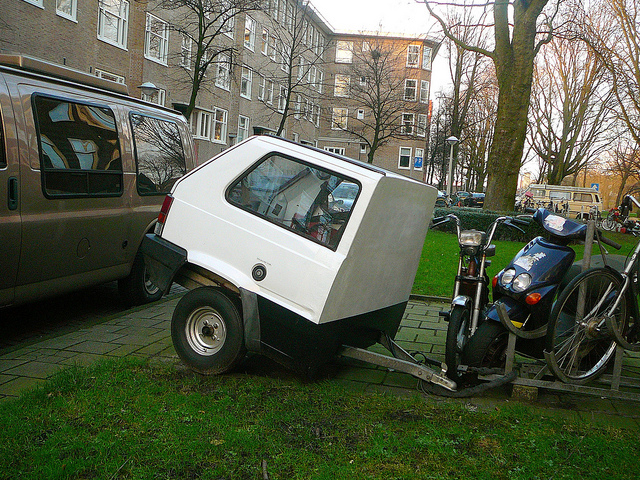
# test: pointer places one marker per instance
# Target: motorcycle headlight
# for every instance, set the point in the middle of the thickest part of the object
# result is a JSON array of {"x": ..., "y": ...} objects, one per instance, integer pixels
[
  {"x": 471, "y": 238},
  {"x": 507, "y": 276},
  {"x": 522, "y": 282}
]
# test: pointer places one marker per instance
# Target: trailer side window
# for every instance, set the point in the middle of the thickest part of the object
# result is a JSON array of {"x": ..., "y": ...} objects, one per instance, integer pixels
[
  {"x": 79, "y": 148},
  {"x": 312, "y": 202},
  {"x": 159, "y": 154}
]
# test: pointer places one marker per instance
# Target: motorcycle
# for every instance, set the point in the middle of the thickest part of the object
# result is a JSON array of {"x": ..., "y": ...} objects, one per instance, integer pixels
[
  {"x": 525, "y": 291},
  {"x": 471, "y": 287}
]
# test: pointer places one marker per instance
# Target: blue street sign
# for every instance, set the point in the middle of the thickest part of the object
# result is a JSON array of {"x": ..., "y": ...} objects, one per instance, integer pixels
[
  {"x": 417, "y": 162},
  {"x": 596, "y": 186}
]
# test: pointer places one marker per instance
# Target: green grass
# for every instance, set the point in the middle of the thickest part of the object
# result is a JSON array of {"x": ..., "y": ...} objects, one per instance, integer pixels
[
  {"x": 134, "y": 420},
  {"x": 439, "y": 261}
]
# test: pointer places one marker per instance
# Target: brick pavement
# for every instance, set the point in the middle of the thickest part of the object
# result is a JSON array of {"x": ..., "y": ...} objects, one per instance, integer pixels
[{"x": 145, "y": 332}]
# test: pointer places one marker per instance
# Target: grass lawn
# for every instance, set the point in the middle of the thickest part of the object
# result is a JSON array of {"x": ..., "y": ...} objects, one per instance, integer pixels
[
  {"x": 128, "y": 419},
  {"x": 439, "y": 261}
]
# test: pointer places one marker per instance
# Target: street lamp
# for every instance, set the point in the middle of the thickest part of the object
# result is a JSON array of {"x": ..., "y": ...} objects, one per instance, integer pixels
[
  {"x": 452, "y": 142},
  {"x": 148, "y": 89}
]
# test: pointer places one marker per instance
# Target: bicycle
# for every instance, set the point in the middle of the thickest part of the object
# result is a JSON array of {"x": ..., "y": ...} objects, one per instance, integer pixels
[{"x": 595, "y": 312}]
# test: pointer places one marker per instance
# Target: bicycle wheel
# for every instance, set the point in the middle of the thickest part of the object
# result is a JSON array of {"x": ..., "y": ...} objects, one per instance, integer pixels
[
  {"x": 578, "y": 342},
  {"x": 609, "y": 224}
]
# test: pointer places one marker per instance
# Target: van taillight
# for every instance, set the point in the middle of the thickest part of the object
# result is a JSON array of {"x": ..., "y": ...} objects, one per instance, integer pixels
[{"x": 162, "y": 216}]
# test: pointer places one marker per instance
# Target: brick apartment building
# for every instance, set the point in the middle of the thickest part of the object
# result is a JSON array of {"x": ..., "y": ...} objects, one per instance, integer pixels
[{"x": 284, "y": 55}]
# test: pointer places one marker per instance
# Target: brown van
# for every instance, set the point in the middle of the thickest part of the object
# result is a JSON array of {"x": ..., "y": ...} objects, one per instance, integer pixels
[{"x": 84, "y": 169}]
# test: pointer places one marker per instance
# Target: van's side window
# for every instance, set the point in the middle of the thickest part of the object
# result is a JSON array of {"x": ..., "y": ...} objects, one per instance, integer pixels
[
  {"x": 79, "y": 148},
  {"x": 312, "y": 202},
  {"x": 582, "y": 197},
  {"x": 159, "y": 154}
]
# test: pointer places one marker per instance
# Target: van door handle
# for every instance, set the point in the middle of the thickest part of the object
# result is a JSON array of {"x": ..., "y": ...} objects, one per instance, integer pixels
[{"x": 13, "y": 193}]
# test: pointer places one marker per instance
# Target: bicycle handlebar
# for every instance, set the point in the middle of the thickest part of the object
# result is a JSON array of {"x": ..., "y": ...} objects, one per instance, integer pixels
[{"x": 607, "y": 241}]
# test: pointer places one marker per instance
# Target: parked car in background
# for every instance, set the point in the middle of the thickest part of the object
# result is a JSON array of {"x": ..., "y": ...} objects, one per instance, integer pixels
[
  {"x": 475, "y": 200},
  {"x": 343, "y": 196},
  {"x": 84, "y": 169},
  {"x": 458, "y": 198}
]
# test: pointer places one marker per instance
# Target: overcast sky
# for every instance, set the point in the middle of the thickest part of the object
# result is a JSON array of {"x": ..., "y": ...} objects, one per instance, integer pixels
[{"x": 394, "y": 16}]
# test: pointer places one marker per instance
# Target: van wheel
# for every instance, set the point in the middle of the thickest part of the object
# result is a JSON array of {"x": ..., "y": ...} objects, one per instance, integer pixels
[
  {"x": 137, "y": 289},
  {"x": 207, "y": 331}
]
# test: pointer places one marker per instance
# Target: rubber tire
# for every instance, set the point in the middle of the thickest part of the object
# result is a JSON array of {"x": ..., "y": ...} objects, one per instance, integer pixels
[
  {"x": 136, "y": 288},
  {"x": 609, "y": 224},
  {"x": 453, "y": 352},
  {"x": 563, "y": 314},
  {"x": 208, "y": 301},
  {"x": 487, "y": 346}
]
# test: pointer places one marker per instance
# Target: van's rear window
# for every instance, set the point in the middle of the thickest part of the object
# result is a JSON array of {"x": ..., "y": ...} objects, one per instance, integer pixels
[
  {"x": 159, "y": 154},
  {"x": 79, "y": 148}
]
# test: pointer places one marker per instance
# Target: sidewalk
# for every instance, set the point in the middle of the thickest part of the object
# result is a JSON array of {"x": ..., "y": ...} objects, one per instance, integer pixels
[{"x": 145, "y": 332}]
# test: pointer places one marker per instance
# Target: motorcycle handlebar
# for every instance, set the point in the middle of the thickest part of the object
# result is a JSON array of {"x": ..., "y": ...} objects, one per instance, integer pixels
[
  {"x": 530, "y": 210},
  {"x": 521, "y": 221}
]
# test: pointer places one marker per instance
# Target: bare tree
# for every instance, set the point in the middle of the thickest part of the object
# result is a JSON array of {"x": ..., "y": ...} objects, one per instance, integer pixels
[
  {"x": 571, "y": 110},
  {"x": 520, "y": 28},
  {"x": 624, "y": 162},
  {"x": 293, "y": 63},
  {"x": 206, "y": 27},
  {"x": 377, "y": 84}
]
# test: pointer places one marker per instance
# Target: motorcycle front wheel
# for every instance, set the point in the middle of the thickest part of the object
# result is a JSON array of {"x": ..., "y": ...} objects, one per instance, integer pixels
[
  {"x": 609, "y": 224},
  {"x": 457, "y": 338},
  {"x": 487, "y": 347}
]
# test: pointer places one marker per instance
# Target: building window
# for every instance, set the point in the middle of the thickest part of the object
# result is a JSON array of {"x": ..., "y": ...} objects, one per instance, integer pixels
[
  {"x": 223, "y": 72},
  {"x": 404, "y": 159},
  {"x": 316, "y": 113},
  {"x": 363, "y": 148},
  {"x": 265, "y": 41},
  {"x": 185, "y": 52},
  {"x": 341, "y": 88},
  {"x": 320, "y": 80},
  {"x": 407, "y": 123},
  {"x": 261, "y": 88},
  {"x": 313, "y": 77},
  {"x": 282, "y": 99},
  {"x": 419, "y": 159},
  {"x": 366, "y": 46},
  {"x": 228, "y": 20},
  {"x": 410, "y": 87},
  {"x": 269, "y": 93},
  {"x": 67, "y": 8},
  {"x": 413, "y": 56},
  {"x": 243, "y": 128},
  {"x": 219, "y": 126},
  {"x": 273, "y": 43},
  {"x": 37, "y": 3},
  {"x": 344, "y": 52},
  {"x": 113, "y": 20},
  {"x": 156, "y": 44},
  {"x": 360, "y": 115},
  {"x": 339, "y": 118},
  {"x": 202, "y": 128},
  {"x": 300, "y": 67},
  {"x": 109, "y": 76},
  {"x": 426, "y": 58},
  {"x": 363, "y": 81},
  {"x": 249, "y": 33},
  {"x": 157, "y": 97},
  {"x": 298, "y": 106},
  {"x": 286, "y": 58},
  {"x": 422, "y": 125},
  {"x": 424, "y": 91},
  {"x": 337, "y": 150},
  {"x": 245, "y": 83}
]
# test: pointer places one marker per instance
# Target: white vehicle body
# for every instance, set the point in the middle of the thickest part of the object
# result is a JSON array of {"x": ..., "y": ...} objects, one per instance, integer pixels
[{"x": 359, "y": 282}]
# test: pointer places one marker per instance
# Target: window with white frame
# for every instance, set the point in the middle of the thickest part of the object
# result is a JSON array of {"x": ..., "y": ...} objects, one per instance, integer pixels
[
  {"x": 156, "y": 40},
  {"x": 344, "y": 52},
  {"x": 305, "y": 27},
  {"x": 407, "y": 123},
  {"x": 320, "y": 81},
  {"x": 289, "y": 19},
  {"x": 298, "y": 106},
  {"x": 261, "y": 87},
  {"x": 223, "y": 72},
  {"x": 339, "y": 118},
  {"x": 413, "y": 56},
  {"x": 243, "y": 128},
  {"x": 426, "y": 58},
  {"x": 363, "y": 81},
  {"x": 404, "y": 158},
  {"x": 219, "y": 126},
  {"x": 282, "y": 99},
  {"x": 67, "y": 9},
  {"x": 360, "y": 114},
  {"x": 269, "y": 93},
  {"x": 156, "y": 97},
  {"x": 307, "y": 114},
  {"x": 313, "y": 77},
  {"x": 249, "y": 33},
  {"x": 273, "y": 45},
  {"x": 185, "y": 51},
  {"x": 366, "y": 46},
  {"x": 310, "y": 32},
  {"x": 363, "y": 148},
  {"x": 338, "y": 150},
  {"x": 37, "y": 3},
  {"x": 245, "y": 83},
  {"x": 300, "y": 67},
  {"x": 424, "y": 91},
  {"x": 410, "y": 89},
  {"x": 343, "y": 82},
  {"x": 286, "y": 57},
  {"x": 113, "y": 22},
  {"x": 228, "y": 19},
  {"x": 421, "y": 129},
  {"x": 109, "y": 76},
  {"x": 419, "y": 157},
  {"x": 265, "y": 41},
  {"x": 202, "y": 128},
  {"x": 316, "y": 115}
]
